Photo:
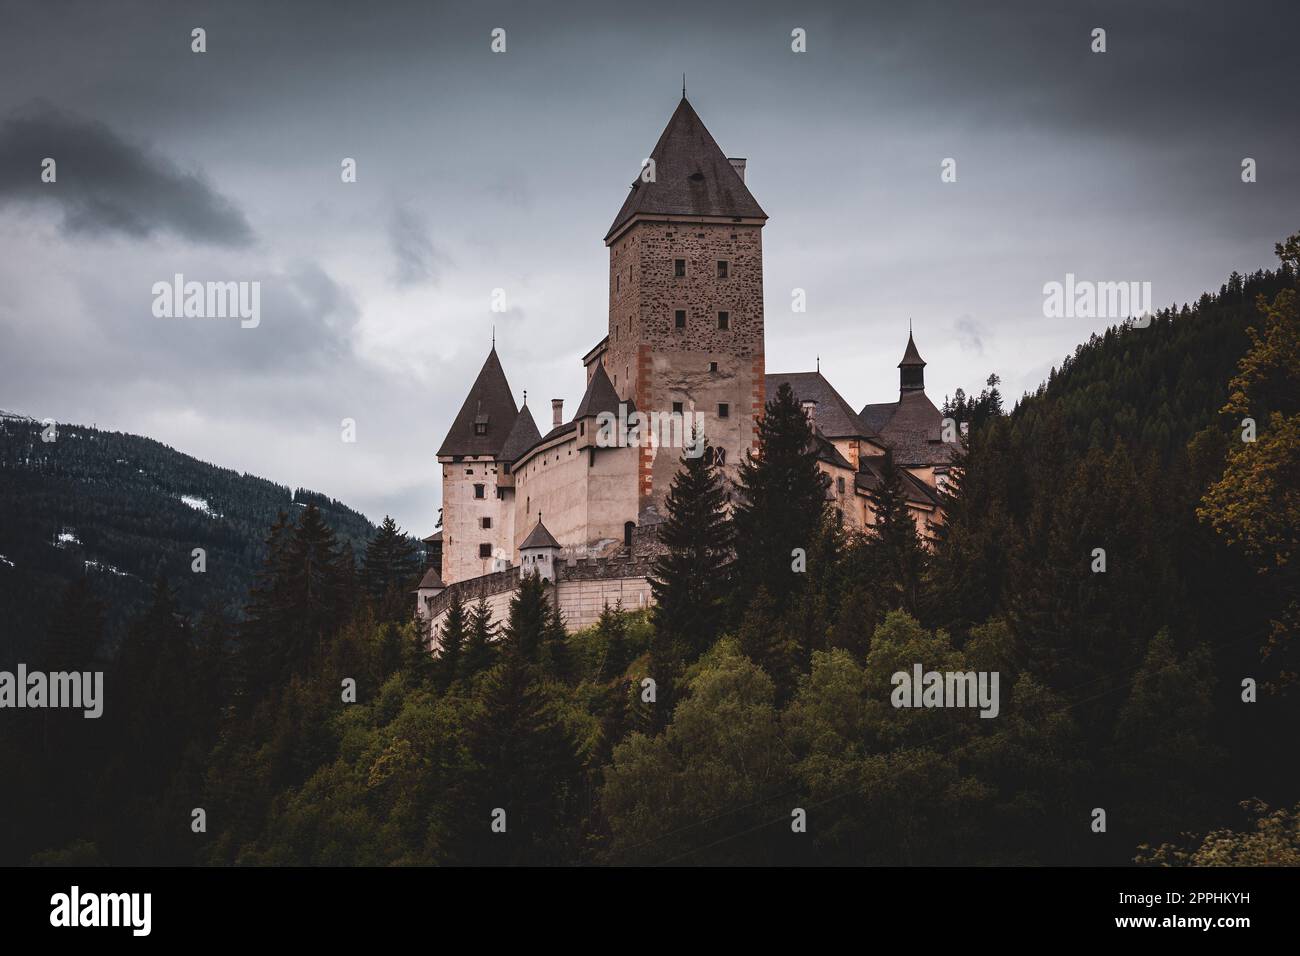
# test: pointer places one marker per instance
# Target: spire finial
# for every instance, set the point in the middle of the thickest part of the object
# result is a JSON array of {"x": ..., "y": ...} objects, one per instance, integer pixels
[
  {"x": 494, "y": 336},
  {"x": 525, "y": 396},
  {"x": 909, "y": 325},
  {"x": 819, "y": 363},
  {"x": 683, "y": 86}
]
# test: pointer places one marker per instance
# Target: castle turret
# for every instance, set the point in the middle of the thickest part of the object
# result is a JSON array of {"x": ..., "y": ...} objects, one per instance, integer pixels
[
  {"x": 911, "y": 371},
  {"x": 538, "y": 552},
  {"x": 477, "y": 537}
]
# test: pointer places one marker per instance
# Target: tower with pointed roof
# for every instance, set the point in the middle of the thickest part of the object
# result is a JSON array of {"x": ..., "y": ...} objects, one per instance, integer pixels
[
  {"x": 686, "y": 299},
  {"x": 477, "y": 494}
]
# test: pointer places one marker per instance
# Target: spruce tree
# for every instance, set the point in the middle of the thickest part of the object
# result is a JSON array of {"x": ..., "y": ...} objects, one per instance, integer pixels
[
  {"x": 480, "y": 646},
  {"x": 529, "y": 622},
  {"x": 690, "y": 580},
  {"x": 452, "y": 638},
  {"x": 763, "y": 639},
  {"x": 612, "y": 628},
  {"x": 390, "y": 562},
  {"x": 780, "y": 505},
  {"x": 893, "y": 534}
]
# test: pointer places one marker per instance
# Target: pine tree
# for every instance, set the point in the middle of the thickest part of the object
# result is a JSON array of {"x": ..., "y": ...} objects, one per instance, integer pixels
[
  {"x": 390, "y": 562},
  {"x": 527, "y": 766},
  {"x": 894, "y": 534},
  {"x": 763, "y": 639},
  {"x": 480, "y": 646},
  {"x": 780, "y": 505},
  {"x": 451, "y": 640},
  {"x": 612, "y": 628},
  {"x": 690, "y": 580},
  {"x": 529, "y": 622}
]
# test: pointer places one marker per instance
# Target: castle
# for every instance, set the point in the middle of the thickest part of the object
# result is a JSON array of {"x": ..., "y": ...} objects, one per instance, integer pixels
[{"x": 685, "y": 343}]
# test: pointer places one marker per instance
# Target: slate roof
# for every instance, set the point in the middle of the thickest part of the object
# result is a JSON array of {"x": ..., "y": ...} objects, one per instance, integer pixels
[
  {"x": 600, "y": 396},
  {"x": 523, "y": 436},
  {"x": 834, "y": 416},
  {"x": 431, "y": 579},
  {"x": 693, "y": 177},
  {"x": 539, "y": 537},
  {"x": 912, "y": 428},
  {"x": 911, "y": 356},
  {"x": 489, "y": 402},
  {"x": 869, "y": 476}
]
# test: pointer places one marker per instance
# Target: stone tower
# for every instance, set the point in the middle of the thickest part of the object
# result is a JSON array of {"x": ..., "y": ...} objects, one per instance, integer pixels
[{"x": 686, "y": 299}]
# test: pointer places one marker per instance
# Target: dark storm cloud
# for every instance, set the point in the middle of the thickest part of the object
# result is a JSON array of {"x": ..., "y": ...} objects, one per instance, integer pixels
[{"x": 106, "y": 184}]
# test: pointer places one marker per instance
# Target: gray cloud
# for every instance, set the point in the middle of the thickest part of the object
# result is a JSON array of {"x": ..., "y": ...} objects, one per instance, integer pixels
[
  {"x": 106, "y": 184},
  {"x": 418, "y": 260}
]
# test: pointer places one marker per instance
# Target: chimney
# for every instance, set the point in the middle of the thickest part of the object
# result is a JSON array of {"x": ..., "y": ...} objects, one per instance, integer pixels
[
  {"x": 557, "y": 412},
  {"x": 739, "y": 166},
  {"x": 810, "y": 410}
]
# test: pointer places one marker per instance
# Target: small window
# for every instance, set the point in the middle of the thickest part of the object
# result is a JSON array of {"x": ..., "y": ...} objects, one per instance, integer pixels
[
  {"x": 679, "y": 318},
  {"x": 480, "y": 428},
  {"x": 839, "y": 485},
  {"x": 478, "y": 491},
  {"x": 679, "y": 268},
  {"x": 628, "y": 526},
  {"x": 469, "y": 471},
  {"x": 724, "y": 410},
  {"x": 713, "y": 366},
  {"x": 486, "y": 523},
  {"x": 677, "y": 408},
  {"x": 724, "y": 268},
  {"x": 724, "y": 320},
  {"x": 485, "y": 550}
]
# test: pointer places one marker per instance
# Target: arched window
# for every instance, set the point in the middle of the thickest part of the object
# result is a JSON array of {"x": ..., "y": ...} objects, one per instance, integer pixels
[{"x": 627, "y": 533}]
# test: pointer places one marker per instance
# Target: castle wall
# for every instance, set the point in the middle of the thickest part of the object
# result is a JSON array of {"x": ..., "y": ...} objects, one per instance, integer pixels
[
  {"x": 584, "y": 499},
  {"x": 582, "y": 589}
]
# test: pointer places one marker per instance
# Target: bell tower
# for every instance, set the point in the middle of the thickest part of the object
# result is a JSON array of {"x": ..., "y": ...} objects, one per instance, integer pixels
[{"x": 686, "y": 301}]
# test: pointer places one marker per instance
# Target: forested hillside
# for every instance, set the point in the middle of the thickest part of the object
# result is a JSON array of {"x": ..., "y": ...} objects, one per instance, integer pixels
[
  {"x": 1119, "y": 549},
  {"x": 121, "y": 510}
]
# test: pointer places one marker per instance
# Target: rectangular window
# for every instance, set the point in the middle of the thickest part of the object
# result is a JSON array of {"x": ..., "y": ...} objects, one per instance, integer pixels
[
  {"x": 839, "y": 485},
  {"x": 724, "y": 410},
  {"x": 679, "y": 268},
  {"x": 478, "y": 491},
  {"x": 724, "y": 268},
  {"x": 724, "y": 320},
  {"x": 677, "y": 408},
  {"x": 679, "y": 318},
  {"x": 713, "y": 366},
  {"x": 485, "y": 550},
  {"x": 487, "y": 522}
]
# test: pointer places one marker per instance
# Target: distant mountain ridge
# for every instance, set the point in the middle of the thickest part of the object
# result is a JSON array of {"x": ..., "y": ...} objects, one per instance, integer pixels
[{"x": 122, "y": 509}]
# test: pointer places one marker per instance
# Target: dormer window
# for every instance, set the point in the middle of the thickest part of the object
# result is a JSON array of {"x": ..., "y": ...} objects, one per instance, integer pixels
[{"x": 480, "y": 428}]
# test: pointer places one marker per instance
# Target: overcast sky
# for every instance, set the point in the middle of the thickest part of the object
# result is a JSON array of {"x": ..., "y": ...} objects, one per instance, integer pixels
[{"x": 479, "y": 171}]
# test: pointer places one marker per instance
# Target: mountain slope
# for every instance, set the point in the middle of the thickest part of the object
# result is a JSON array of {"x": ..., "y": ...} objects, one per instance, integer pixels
[{"x": 122, "y": 509}]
